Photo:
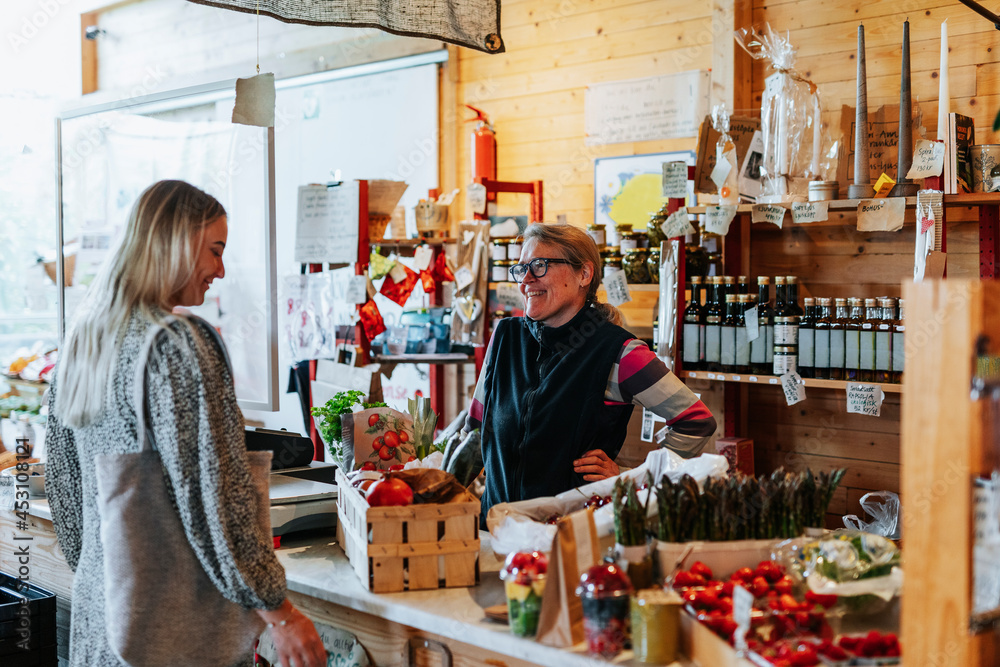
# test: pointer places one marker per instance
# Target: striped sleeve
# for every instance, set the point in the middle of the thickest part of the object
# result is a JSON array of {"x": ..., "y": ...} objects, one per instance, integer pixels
[{"x": 641, "y": 378}]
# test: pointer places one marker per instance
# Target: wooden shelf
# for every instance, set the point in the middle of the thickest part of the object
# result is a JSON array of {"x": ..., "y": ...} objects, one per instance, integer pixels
[
  {"x": 412, "y": 243},
  {"x": 449, "y": 358},
  {"x": 950, "y": 201},
  {"x": 746, "y": 378}
]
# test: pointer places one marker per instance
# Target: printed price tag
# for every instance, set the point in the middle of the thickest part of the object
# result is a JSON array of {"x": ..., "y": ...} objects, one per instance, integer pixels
[
  {"x": 357, "y": 289},
  {"x": 509, "y": 295},
  {"x": 675, "y": 179},
  {"x": 753, "y": 325},
  {"x": 677, "y": 224},
  {"x": 881, "y": 215},
  {"x": 397, "y": 272},
  {"x": 928, "y": 159},
  {"x": 865, "y": 399},
  {"x": 463, "y": 278},
  {"x": 475, "y": 196},
  {"x": 617, "y": 288},
  {"x": 647, "y": 426},
  {"x": 423, "y": 256},
  {"x": 810, "y": 211},
  {"x": 742, "y": 607},
  {"x": 721, "y": 172},
  {"x": 795, "y": 391},
  {"x": 768, "y": 213},
  {"x": 717, "y": 219}
]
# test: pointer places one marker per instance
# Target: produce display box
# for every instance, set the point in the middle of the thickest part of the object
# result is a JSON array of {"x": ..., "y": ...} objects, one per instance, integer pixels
[
  {"x": 723, "y": 558},
  {"x": 408, "y": 548}
]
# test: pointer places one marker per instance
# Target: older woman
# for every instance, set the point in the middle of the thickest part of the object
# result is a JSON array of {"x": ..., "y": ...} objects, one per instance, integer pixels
[
  {"x": 559, "y": 385},
  {"x": 170, "y": 254}
]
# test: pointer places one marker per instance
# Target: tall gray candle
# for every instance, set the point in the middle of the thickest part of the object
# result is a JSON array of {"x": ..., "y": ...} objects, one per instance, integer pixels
[
  {"x": 862, "y": 186},
  {"x": 904, "y": 155}
]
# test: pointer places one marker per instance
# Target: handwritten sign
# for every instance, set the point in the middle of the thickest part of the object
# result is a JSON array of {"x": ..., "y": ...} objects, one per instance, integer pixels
[
  {"x": 768, "y": 213},
  {"x": 617, "y": 288},
  {"x": 928, "y": 159},
  {"x": 475, "y": 197},
  {"x": 881, "y": 215},
  {"x": 677, "y": 224},
  {"x": 721, "y": 172},
  {"x": 752, "y": 324},
  {"x": 795, "y": 391},
  {"x": 675, "y": 179},
  {"x": 326, "y": 228},
  {"x": 810, "y": 211},
  {"x": 658, "y": 107},
  {"x": 717, "y": 219},
  {"x": 864, "y": 399},
  {"x": 357, "y": 289},
  {"x": 509, "y": 295}
]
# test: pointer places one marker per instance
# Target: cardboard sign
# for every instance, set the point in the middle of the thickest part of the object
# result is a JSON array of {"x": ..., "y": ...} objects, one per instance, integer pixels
[
  {"x": 883, "y": 137},
  {"x": 752, "y": 324},
  {"x": 675, "y": 179},
  {"x": 768, "y": 213},
  {"x": 677, "y": 224},
  {"x": 717, "y": 219},
  {"x": 881, "y": 215},
  {"x": 928, "y": 159},
  {"x": 795, "y": 391},
  {"x": 617, "y": 288},
  {"x": 804, "y": 212},
  {"x": 865, "y": 399}
]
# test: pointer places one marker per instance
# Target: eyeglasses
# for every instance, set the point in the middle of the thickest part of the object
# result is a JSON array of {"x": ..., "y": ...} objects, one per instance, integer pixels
[{"x": 539, "y": 267}]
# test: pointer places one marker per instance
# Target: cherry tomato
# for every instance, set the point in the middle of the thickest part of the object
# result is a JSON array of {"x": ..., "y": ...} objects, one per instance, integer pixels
[
  {"x": 391, "y": 439},
  {"x": 404, "y": 436},
  {"x": 384, "y": 453},
  {"x": 372, "y": 420},
  {"x": 378, "y": 443}
]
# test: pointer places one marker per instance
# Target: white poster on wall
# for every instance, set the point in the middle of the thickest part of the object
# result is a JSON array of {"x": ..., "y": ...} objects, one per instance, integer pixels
[
  {"x": 327, "y": 224},
  {"x": 657, "y": 107}
]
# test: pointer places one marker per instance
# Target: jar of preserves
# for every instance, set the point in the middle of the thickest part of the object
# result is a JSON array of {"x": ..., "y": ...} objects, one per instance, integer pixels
[
  {"x": 628, "y": 240},
  {"x": 500, "y": 247},
  {"x": 654, "y": 228},
  {"x": 616, "y": 238},
  {"x": 653, "y": 265},
  {"x": 612, "y": 261},
  {"x": 501, "y": 270},
  {"x": 642, "y": 239},
  {"x": 514, "y": 249},
  {"x": 597, "y": 233},
  {"x": 634, "y": 264}
]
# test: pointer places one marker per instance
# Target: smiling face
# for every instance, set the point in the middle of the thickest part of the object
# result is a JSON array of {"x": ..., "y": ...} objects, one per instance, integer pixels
[
  {"x": 208, "y": 246},
  {"x": 557, "y": 296}
]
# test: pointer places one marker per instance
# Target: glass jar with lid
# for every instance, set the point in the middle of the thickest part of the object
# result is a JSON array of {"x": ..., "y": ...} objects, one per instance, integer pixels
[
  {"x": 612, "y": 261},
  {"x": 501, "y": 270},
  {"x": 628, "y": 240},
  {"x": 654, "y": 228},
  {"x": 597, "y": 233},
  {"x": 620, "y": 229},
  {"x": 634, "y": 264},
  {"x": 653, "y": 265},
  {"x": 500, "y": 247}
]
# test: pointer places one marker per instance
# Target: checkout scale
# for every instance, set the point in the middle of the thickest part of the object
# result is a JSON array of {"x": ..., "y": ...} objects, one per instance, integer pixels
[{"x": 303, "y": 492}]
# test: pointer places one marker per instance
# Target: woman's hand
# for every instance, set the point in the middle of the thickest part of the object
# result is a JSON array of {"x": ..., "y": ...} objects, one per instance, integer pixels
[
  {"x": 595, "y": 465},
  {"x": 295, "y": 637}
]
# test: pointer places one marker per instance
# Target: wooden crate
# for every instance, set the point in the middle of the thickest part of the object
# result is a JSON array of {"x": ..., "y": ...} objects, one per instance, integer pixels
[{"x": 408, "y": 548}]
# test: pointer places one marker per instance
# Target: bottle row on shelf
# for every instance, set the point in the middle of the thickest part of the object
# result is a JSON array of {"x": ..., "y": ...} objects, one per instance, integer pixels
[{"x": 727, "y": 329}]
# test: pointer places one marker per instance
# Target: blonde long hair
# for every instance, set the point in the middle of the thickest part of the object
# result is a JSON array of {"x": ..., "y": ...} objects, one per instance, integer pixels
[
  {"x": 579, "y": 249},
  {"x": 152, "y": 265}
]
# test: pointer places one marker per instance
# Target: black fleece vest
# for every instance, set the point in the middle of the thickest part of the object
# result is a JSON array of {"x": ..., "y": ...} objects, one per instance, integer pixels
[{"x": 544, "y": 404}]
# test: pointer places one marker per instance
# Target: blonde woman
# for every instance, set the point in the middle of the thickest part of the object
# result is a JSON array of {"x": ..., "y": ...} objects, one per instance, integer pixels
[
  {"x": 557, "y": 391},
  {"x": 171, "y": 253}
]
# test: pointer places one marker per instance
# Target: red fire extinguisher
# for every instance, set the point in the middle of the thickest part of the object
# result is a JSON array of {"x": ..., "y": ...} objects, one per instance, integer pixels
[{"x": 484, "y": 149}]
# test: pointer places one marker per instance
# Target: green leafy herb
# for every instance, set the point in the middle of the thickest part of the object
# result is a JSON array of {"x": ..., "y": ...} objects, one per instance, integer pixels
[{"x": 330, "y": 427}]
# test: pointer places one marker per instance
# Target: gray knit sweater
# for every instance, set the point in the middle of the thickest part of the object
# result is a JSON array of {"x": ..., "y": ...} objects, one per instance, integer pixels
[{"x": 196, "y": 426}]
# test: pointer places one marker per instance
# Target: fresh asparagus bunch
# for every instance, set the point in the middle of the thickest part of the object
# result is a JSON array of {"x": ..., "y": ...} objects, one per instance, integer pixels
[
  {"x": 630, "y": 514},
  {"x": 780, "y": 505}
]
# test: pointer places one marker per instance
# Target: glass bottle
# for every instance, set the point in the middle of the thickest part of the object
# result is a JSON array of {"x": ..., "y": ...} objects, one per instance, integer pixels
[
  {"x": 821, "y": 363},
  {"x": 742, "y": 344},
  {"x": 852, "y": 341},
  {"x": 866, "y": 369},
  {"x": 693, "y": 328},
  {"x": 883, "y": 340},
  {"x": 780, "y": 297},
  {"x": 792, "y": 291},
  {"x": 762, "y": 349},
  {"x": 713, "y": 325},
  {"x": 838, "y": 331},
  {"x": 898, "y": 346},
  {"x": 728, "y": 330},
  {"x": 729, "y": 286},
  {"x": 807, "y": 349},
  {"x": 786, "y": 340},
  {"x": 742, "y": 285}
]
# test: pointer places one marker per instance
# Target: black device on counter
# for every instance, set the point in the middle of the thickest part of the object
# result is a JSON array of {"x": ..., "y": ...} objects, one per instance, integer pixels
[{"x": 291, "y": 450}]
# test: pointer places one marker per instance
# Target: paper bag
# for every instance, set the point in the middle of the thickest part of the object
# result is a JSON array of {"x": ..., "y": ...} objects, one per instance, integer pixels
[{"x": 575, "y": 549}]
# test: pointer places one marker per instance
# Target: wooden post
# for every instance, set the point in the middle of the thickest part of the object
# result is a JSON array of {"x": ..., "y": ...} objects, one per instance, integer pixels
[{"x": 941, "y": 451}]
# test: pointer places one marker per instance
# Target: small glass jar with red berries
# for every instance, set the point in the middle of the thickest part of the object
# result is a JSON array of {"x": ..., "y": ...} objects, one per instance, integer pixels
[{"x": 604, "y": 591}]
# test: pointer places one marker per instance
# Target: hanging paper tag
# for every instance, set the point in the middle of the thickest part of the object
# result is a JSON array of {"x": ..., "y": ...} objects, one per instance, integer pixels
[
  {"x": 677, "y": 224},
  {"x": 675, "y": 178},
  {"x": 752, "y": 324},
  {"x": 397, "y": 272},
  {"x": 509, "y": 295},
  {"x": 928, "y": 159},
  {"x": 768, "y": 213},
  {"x": 357, "y": 290},
  {"x": 809, "y": 211},
  {"x": 881, "y": 215},
  {"x": 617, "y": 288},
  {"x": 255, "y": 101},
  {"x": 475, "y": 195},
  {"x": 422, "y": 257},
  {"x": 795, "y": 391},
  {"x": 647, "y": 426},
  {"x": 865, "y": 399},
  {"x": 717, "y": 219},
  {"x": 463, "y": 278},
  {"x": 721, "y": 172},
  {"x": 742, "y": 607}
]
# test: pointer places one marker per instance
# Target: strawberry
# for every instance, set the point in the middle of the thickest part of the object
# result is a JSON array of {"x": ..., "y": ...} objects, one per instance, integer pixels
[
  {"x": 700, "y": 568},
  {"x": 759, "y": 587}
]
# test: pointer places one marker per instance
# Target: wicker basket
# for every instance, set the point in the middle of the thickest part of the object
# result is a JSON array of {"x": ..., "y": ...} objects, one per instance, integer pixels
[{"x": 408, "y": 548}]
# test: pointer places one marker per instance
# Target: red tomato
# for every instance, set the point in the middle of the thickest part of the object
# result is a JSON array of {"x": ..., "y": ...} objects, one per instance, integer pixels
[
  {"x": 391, "y": 439},
  {"x": 378, "y": 443},
  {"x": 759, "y": 587},
  {"x": 411, "y": 458},
  {"x": 784, "y": 585},
  {"x": 384, "y": 453},
  {"x": 389, "y": 491},
  {"x": 743, "y": 574},
  {"x": 398, "y": 466},
  {"x": 404, "y": 436},
  {"x": 372, "y": 420},
  {"x": 368, "y": 465}
]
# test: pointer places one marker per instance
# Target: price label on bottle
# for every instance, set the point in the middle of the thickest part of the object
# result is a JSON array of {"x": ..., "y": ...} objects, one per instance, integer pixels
[
  {"x": 795, "y": 391},
  {"x": 753, "y": 324}
]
